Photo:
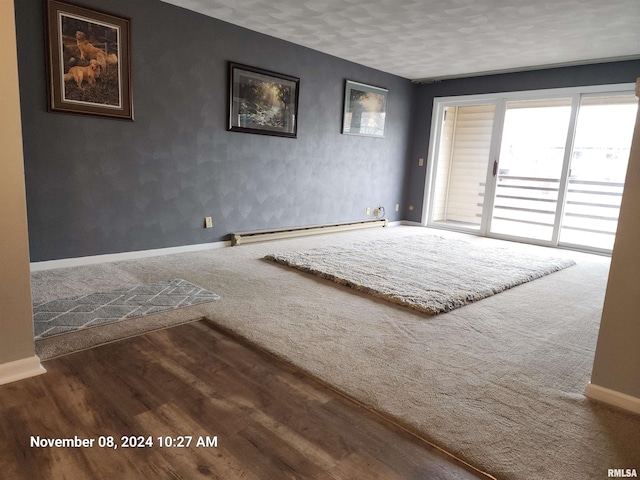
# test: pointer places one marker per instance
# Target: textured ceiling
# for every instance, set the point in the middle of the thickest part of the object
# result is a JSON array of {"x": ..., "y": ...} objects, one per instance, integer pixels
[{"x": 444, "y": 38}]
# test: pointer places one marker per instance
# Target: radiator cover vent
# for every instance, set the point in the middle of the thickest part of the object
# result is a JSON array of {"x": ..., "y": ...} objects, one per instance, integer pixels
[{"x": 264, "y": 235}]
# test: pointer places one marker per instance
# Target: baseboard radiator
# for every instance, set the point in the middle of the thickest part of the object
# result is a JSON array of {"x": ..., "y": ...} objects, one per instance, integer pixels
[{"x": 264, "y": 235}]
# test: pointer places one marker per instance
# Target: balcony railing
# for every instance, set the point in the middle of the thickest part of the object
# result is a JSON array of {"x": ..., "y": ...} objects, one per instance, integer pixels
[{"x": 591, "y": 207}]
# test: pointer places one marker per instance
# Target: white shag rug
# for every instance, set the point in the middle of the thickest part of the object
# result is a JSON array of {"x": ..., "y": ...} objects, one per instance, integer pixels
[{"x": 430, "y": 274}]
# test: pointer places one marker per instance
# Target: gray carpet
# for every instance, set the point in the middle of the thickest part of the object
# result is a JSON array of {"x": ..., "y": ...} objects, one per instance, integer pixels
[
  {"x": 499, "y": 383},
  {"x": 60, "y": 316},
  {"x": 430, "y": 274}
]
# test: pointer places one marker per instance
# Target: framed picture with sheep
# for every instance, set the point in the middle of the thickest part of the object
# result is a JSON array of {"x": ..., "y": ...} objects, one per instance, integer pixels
[{"x": 89, "y": 61}]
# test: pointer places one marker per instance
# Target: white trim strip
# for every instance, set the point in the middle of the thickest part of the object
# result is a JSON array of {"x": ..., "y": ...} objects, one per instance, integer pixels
[
  {"x": 114, "y": 257},
  {"x": 613, "y": 397},
  {"x": 20, "y": 369}
]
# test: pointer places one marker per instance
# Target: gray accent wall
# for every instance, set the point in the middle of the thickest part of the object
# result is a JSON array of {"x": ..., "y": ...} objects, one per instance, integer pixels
[
  {"x": 597, "y": 74},
  {"x": 100, "y": 185}
]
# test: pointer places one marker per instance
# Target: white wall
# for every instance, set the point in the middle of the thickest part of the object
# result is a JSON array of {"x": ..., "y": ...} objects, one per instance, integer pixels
[
  {"x": 17, "y": 358},
  {"x": 616, "y": 368}
]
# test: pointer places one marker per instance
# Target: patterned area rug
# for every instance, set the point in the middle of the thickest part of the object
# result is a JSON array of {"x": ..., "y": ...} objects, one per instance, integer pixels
[
  {"x": 70, "y": 314},
  {"x": 427, "y": 273}
]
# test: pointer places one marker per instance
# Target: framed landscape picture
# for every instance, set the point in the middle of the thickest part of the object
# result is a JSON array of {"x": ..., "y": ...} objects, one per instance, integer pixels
[
  {"x": 262, "y": 102},
  {"x": 365, "y": 109},
  {"x": 89, "y": 61}
]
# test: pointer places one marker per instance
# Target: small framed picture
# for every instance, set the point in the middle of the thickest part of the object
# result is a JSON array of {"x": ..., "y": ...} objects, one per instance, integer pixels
[
  {"x": 262, "y": 102},
  {"x": 89, "y": 61},
  {"x": 365, "y": 108}
]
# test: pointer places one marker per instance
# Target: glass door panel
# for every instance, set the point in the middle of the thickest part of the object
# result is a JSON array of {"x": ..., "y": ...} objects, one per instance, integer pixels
[
  {"x": 461, "y": 166},
  {"x": 598, "y": 168},
  {"x": 529, "y": 170}
]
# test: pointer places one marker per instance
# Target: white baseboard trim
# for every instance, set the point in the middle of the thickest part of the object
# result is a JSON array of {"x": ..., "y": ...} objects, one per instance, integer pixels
[
  {"x": 20, "y": 369},
  {"x": 115, "y": 257},
  {"x": 613, "y": 397}
]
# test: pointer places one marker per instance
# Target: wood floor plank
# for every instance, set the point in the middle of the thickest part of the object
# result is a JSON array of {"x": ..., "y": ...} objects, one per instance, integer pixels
[
  {"x": 171, "y": 421},
  {"x": 269, "y": 420}
]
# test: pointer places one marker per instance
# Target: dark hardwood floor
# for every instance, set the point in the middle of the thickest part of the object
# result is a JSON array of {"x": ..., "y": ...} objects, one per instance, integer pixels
[{"x": 269, "y": 420}]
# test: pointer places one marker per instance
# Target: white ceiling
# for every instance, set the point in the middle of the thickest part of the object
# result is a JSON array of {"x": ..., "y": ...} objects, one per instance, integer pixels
[{"x": 428, "y": 39}]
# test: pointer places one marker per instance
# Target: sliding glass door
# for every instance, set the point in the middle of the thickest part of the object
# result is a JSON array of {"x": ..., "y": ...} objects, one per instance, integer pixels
[
  {"x": 543, "y": 169},
  {"x": 598, "y": 167},
  {"x": 529, "y": 168}
]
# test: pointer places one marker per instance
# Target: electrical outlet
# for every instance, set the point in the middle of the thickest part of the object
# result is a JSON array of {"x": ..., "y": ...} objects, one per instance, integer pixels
[
  {"x": 397, "y": 207},
  {"x": 368, "y": 211},
  {"x": 421, "y": 162},
  {"x": 376, "y": 212},
  {"x": 208, "y": 223}
]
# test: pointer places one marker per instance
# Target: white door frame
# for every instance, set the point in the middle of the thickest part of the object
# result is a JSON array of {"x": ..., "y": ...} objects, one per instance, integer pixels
[{"x": 500, "y": 100}]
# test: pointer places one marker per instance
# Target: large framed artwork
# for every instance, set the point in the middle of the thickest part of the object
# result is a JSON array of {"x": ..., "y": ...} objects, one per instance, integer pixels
[
  {"x": 89, "y": 61},
  {"x": 262, "y": 102},
  {"x": 365, "y": 109}
]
